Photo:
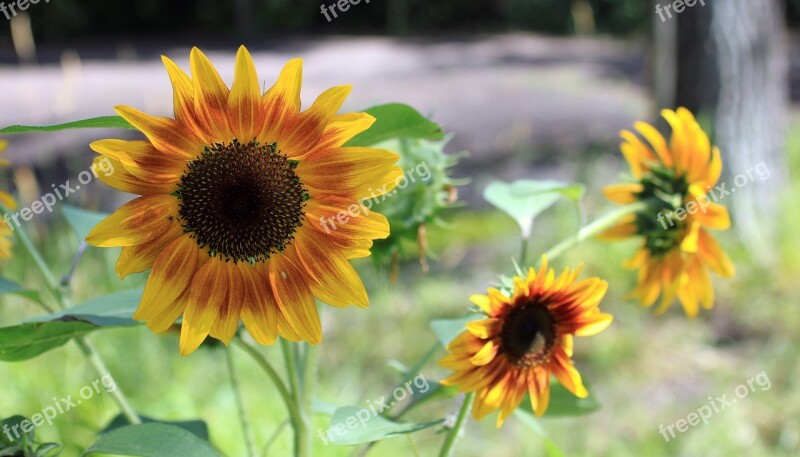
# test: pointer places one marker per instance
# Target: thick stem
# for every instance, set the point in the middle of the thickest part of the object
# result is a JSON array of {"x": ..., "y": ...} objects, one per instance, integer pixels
[
  {"x": 246, "y": 429},
  {"x": 453, "y": 434},
  {"x": 300, "y": 423},
  {"x": 271, "y": 373}
]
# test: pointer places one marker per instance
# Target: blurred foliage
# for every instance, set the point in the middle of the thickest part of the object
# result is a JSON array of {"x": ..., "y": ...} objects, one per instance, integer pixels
[{"x": 219, "y": 19}]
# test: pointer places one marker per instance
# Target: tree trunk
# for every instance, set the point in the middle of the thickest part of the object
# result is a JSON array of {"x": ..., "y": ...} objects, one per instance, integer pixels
[{"x": 751, "y": 113}]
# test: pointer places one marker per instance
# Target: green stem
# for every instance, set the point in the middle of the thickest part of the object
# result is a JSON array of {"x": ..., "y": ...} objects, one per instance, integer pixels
[
  {"x": 523, "y": 257},
  {"x": 595, "y": 228},
  {"x": 100, "y": 368},
  {"x": 50, "y": 280},
  {"x": 246, "y": 429},
  {"x": 302, "y": 435},
  {"x": 64, "y": 302},
  {"x": 273, "y": 375},
  {"x": 453, "y": 434}
]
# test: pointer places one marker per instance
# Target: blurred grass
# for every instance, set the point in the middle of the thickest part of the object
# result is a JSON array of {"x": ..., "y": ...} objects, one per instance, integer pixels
[{"x": 646, "y": 370}]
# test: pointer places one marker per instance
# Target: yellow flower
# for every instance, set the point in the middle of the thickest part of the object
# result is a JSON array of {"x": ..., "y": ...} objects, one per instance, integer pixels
[
  {"x": 524, "y": 340},
  {"x": 677, "y": 249},
  {"x": 8, "y": 202},
  {"x": 242, "y": 204}
]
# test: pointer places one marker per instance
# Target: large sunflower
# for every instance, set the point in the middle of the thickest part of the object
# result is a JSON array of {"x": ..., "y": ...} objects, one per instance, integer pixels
[
  {"x": 8, "y": 202},
  {"x": 524, "y": 339},
  {"x": 249, "y": 207},
  {"x": 677, "y": 249}
]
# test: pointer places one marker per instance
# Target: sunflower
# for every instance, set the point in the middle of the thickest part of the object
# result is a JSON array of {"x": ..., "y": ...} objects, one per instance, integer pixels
[
  {"x": 677, "y": 249},
  {"x": 524, "y": 339},
  {"x": 249, "y": 208},
  {"x": 8, "y": 203}
]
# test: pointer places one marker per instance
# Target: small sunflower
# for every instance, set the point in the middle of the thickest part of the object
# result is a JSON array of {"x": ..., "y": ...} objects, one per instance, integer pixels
[
  {"x": 524, "y": 340},
  {"x": 248, "y": 208},
  {"x": 8, "y": 202},
  {"x": 677, "y": 249}
]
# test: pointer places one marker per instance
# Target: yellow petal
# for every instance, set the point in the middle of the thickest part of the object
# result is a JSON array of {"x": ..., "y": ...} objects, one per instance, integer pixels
[{"x": 207, "y": 293}]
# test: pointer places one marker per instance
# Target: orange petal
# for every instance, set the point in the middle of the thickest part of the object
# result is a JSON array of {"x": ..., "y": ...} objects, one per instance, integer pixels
[
  {"x": 135, "y": 222},
  {"x": 294, "y": 298},
  {"x": 171, "y": 275}
]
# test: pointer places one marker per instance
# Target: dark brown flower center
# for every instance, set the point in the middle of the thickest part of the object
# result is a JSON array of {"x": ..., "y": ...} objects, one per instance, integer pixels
[
  {"x": 528, "y": 335},
  {"x": 243, "y": 201}
]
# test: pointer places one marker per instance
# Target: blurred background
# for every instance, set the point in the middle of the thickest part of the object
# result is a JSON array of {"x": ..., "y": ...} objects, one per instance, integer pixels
[{"x": 533, "y": 89}]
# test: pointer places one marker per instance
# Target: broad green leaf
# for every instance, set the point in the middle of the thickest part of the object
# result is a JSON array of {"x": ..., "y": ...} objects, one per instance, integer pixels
[
  {"x": 26, "y": 341},
  {"x": 82, "y": 221},
  {"x": 447, "y": 330},
  {"x": 195, "y": 427},
  {"x": 526, "y": 199},
  {"x": 8, "y": 286},
  {"x": 396, "y": 120},
  {"x": 533, "y": 423},
  {"x": 351, "y": 425},
  {"x": 103, "y": 122},
  {"x": 44, "y": 333},
  {"x": 113, "y": 310},
  {"x": 151, "y": 440}
]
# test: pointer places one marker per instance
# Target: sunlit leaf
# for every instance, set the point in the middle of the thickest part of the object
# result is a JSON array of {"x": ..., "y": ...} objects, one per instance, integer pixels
[
  {"x": 396, "y": 120},
  {"x": 526, "y": 199},
  {"x": 103, "y": 122}
]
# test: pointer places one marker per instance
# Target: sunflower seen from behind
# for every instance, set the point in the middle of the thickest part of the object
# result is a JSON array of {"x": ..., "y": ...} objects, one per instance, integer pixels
[
  {"x": 678, "y": 248},
  {"x": 525, "y": 338},
  {"x": 235, "y": 192}
]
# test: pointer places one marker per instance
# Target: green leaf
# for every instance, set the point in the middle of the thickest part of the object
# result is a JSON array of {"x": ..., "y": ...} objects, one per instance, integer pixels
[
  {"x": 44, "y": 333},
  {"x": 352, "y": 425},
  {"x": 103, "y": 122},
  {"x": 8, "y": 286},
  {"x": 113, "y": 310},
  {"x": 396, "y": 120},
  {"x": 19, "y": 436},
  {"x": 550, "y": 447},
  {"x": 195, "y": 427},
  {"x": 447, "y": 330},
  {"x": 564, "y": 403},
  {"x": 152, "y": 440},
  {"x": 526, "y": 199},
  {"x": 26, "y": 341},
  {"x": 82, "y": 221}
]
